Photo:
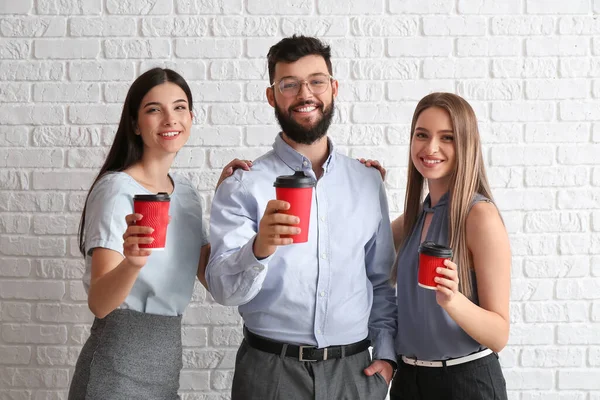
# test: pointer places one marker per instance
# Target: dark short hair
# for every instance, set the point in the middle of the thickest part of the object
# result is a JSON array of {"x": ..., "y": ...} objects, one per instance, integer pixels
[{"x": 293, "y": 48}]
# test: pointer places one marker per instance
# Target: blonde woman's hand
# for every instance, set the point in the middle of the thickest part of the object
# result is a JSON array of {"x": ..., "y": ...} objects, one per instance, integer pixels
[
  {"x": 131, "y": 240},
  {"x": 232, "y": 166},
  {"x": 447, "y": 283},
  {"x": 375, "y": 164}
]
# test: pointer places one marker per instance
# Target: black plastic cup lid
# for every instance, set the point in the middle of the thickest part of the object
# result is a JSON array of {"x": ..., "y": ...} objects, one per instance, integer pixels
[
  {"x": 298, "y": 180},
  {"x": 161, "y": 196},
  {"x": 435, "y": 250}
]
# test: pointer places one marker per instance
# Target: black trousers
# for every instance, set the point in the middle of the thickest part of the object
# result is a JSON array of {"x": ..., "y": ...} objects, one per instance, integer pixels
[{"x": 476, "y": 380}]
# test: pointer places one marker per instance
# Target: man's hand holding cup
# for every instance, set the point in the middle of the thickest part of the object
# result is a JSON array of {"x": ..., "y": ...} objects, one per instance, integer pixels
[{"x": 272, "y": 225}]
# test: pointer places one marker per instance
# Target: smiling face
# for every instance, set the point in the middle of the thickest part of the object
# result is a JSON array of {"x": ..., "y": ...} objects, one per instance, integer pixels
[
  {"x": 305, "y": 117},
  {"x": 164, "y": 119},
  {"x": 432, "y": 148}
]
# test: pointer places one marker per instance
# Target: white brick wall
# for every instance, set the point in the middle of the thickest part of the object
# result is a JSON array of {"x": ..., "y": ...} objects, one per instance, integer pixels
[{"x": 529, "y": 67}]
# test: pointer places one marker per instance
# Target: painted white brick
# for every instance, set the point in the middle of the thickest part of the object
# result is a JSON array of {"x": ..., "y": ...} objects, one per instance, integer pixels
[
  {"x": 415, "y": 90},
  {"x": 69, "y": 7},
  {"x": 11, "y": 223},
  {"x": 574, "y": 244},
  {"x": 31, "y": 158},
  {"x": 383, "y": 26},
  {"x": 137, "y": 48},
  {"x": 86, "y": 158},
  {"x": 595, "y": 318},
  {"x": 244, "y": 26},
  {"x": 555, "y": 46},
  {"x": 15, "y": 312},
  {"x": 94, "y": 114},
  {"x": 33, "y": 27},
  {"x": 191, "y": 70},
  {"x": 578, "y": 334},
  {"x": 116, "y": 92},
  {"x": 557, "y": 89},
  {"x": 556, "y": 176},
  {"x": 57, "y": 355},
  {"x": 522, "y": 155},
  {"x": 66, "y": 92},
  {"x": 190, "y": 157},
  {"x": 579, "y": 25},
  {"x": 16, "y": 7},
  {"x": 14, "y": 180},
  {"x": 503, "y": 177},
  {"x": 557, "y": 7},
  {"x": 31, "y": 70},
  {"x": 32, "y": 290},
  {"x": 557, "y": 132},
  {"x": 419, "y": 47},
  {"x": 524, "y": 68},
  {"x": 15, "y": 49},
  {"x": 531, "y": 199},
  {"x": 529, "y": 379},
  {"x": 63, "y": 313},
  {"x": 580, "y": 379},
  {"x": 55, "y": 225},
  {"x": 578, "y": 154},
  {"x": 355, "y": 48},
  {"x": 500, "y": 133},
  {"x": 101, "y": 71},
  {"x": 195, "y": 336},
  {"x": 102, "y": 26},
  {"x": 194, "y": 380},
  {"x": 542, "y": 222},
  {"x": 490, "y": 90},
  {"x": 243, "y": 69},
  {"x": 523, "y": 111},
  {"x": 67, "y": 136},
  {"x": 490, "y": 47},
  {"x": 420, "y": 7},
  {"x": 352, "y": 7},
  {"x": 579, "y": 67},
  {"x": 385, "y": 69},
  {"x": 531, "y": 290},
  {"x": 361, "y": 91},
  {"x": 59, "y": 269},
  {"x": 31, "y": 201},
  {"x": 63, "y": 180},
  {"x": 489, "y": 7},
  {"x": 382, "y": 113},
  {"x": 274, "y": 7},
  {"x": 76, "y": 290},
  {"x": 221, "y": 380},
  {"x": 531, "y": 334},
  {"x": 315, "y": 26},
  {"x": 452, "y": 68},
  {"x": 216, "y": 136},
  {"x": 14, "y": 92},
  {"x": 596, "y": 177},
  {"x": 139, "y": 7},
  {"x": 15, "y": 355},
  {"x": 557, "y": 267},
  {"x": 522, "y": 25},
  {"x": 212, "y": 7},
  {"x": 167, "y": 26},
  {"x": 454, "y": 26},
  {"x": 13, "y": 136},
  {"x": 240, "y": 114},
  {"x": 218, "y": 158},
  {"x": 32, "y": 115},
  {"x": 208, "y": 48},
  {"x": 548, "y": 357},
  {"x": 263, "y": 135},
  {"x": 66, "y": 48},
  {"x": 572, "y": 289}
]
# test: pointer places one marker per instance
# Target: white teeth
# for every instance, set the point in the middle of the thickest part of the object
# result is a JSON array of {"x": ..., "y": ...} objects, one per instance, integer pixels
[
  {"x": 306, "y": 109},
  {"x": 432, "y": 161},
  {"x": 169, "y": 134}
]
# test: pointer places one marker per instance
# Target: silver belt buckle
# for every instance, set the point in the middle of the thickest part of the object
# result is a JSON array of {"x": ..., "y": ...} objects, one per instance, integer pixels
[{"x": 301, "y": 355}]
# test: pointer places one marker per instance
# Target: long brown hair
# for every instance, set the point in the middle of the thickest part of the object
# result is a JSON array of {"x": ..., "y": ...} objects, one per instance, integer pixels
[
  {"x": 467, "y": 179},
  {"x": 127, "y": 147}
]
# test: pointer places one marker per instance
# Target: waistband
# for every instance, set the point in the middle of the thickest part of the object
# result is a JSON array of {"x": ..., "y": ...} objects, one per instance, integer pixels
[
  {"x": 446, "y": 363},
  {"x": 304, "y": 353}
]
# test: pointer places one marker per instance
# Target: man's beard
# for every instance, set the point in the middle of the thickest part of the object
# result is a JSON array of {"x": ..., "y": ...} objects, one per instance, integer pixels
[{"x": 297, "y": 132}]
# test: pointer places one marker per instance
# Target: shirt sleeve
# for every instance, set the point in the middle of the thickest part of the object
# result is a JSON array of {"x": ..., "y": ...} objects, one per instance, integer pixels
[
  {"x": 107, "y": 206},
  {"x": 380, "y": 256},
  {"x": 233, "y": 273}
]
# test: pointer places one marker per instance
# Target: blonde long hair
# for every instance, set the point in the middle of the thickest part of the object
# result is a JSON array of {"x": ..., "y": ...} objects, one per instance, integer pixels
[{"x": 467, "y": 179}]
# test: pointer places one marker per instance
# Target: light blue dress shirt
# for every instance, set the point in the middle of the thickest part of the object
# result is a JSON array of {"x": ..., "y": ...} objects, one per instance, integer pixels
[
  {"x": 165, "y": 284},
  {"x": 332, "y": 290}
]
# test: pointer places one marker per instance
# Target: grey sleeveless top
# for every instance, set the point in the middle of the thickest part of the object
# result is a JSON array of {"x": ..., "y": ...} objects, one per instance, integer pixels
[{"x": 425, "y": 330}]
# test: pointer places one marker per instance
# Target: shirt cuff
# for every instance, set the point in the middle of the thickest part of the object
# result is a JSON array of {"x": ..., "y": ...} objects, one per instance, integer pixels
[{"x": 383, "y": 346}]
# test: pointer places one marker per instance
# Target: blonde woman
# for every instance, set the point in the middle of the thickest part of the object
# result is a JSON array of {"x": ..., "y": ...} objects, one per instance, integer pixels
[{"x": 448, "y": 338}]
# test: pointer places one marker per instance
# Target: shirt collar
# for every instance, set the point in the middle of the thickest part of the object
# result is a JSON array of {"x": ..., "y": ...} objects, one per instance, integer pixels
[
  {"x": 427, "y": 203},
  {"x": 297, "y": 161}
]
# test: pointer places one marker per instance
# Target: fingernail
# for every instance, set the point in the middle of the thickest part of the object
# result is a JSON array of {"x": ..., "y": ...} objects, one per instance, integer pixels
[
  {"x": 151, "y": 230},
  {"x": 438, "y": 270},
  {"x": 297, "y": 220},
  {"x": 297, "y": 230}
]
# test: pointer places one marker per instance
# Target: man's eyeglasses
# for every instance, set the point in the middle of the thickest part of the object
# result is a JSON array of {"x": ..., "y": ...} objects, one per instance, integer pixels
[{"x": 290, "y": 87}]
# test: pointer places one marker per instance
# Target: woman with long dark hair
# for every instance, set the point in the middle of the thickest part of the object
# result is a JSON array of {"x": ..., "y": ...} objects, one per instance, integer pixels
[{"x": 136, "y": 295}]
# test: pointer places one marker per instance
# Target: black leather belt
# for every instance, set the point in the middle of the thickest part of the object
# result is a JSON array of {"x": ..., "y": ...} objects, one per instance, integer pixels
[{"x": 305, "y": 353}]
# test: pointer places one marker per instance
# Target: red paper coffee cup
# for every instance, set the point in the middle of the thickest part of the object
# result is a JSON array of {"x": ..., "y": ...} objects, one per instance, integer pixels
[
  {"x": 431, "y": 256},
  {"x": 155, "y": 211},
  {"x": 297, "y": 190}
]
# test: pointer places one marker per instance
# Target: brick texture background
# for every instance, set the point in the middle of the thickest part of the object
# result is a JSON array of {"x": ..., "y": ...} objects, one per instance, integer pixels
[{"x": 531, "y": 69}]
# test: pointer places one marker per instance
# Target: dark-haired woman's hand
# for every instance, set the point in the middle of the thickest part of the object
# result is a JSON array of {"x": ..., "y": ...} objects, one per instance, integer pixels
[
  {"x": 375, "y": 164},
  {"x": 131, "y": 240},
  {"x": 232, "y": 166}
]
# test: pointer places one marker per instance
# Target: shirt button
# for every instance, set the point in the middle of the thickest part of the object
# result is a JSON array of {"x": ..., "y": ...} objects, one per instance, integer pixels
[
  {"x": 323, "y": 218},
  {"x": 324, "y": 256},
  {"x": 319, "y": 331},
  {"x": 258, "y": 268},
  {"x": 305, "y": 163},
  {"x": 322, "y": 294}
]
